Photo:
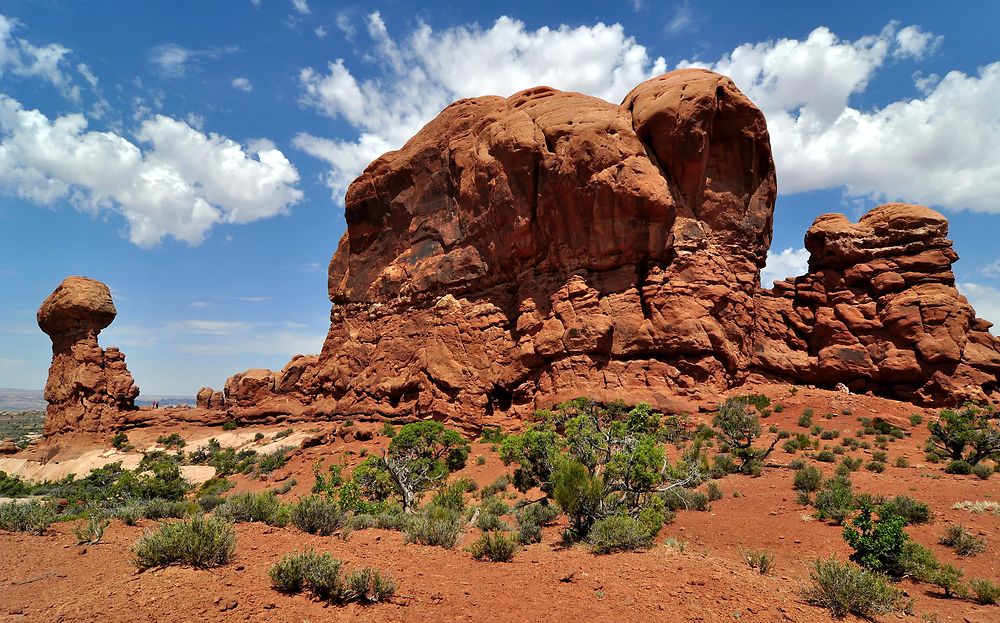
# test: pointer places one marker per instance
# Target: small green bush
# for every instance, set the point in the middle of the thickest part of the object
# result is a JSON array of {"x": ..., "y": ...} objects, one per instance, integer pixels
[
  {"x": 949, "y": 579},
  {"x": 317, "y": 515},
  {"x": 962, "y": 541},
  {"x": 985, "y": 591},
  {"x": 173, "y": 440},
  {"x": 913, "y": 511},
  {"x": 493, "y": 546},
  {"x": 530, "y": 520},
  {"x": 761, "y": 561},
  {"x": 826, "y": 456},
  {"x": 844, "y": 588},
  {"x": 982, "y": 470},
  {"x": 962, "y": 468},
  {"x": 120, "y": 442},
  {"x": 714, "y": 492},
  {"x": 281, "y": 434},
  {"x": 835, "y": 500},
  {"x": 797, "y": 464},
  {"x": 317, "y": 572},
  {"x": 229, "y": 425},
  {"x": 248, "y": 506},
  {"x": 165, "y": 509},
  {"x": 875, "y": 466},
  {"x": 807, "y": 479},
  {"x": 434, "y": 526},
  {"x": 877, "y": 542},
  {"x": 902, "y": 462},
  {"x": 623, "y": 533},
  {"x": 368, "y": 586},
  {"x": 198, "y": 542},
  {"x": 918, "y": 562},
  {"x": 33, "y": 517},
  {"x": 91, "y": 530},
  {"x": 806, "y": 419}
]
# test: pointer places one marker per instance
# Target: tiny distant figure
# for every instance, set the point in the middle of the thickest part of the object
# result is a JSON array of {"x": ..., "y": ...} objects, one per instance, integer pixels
[{"x": 156, "y": 404}]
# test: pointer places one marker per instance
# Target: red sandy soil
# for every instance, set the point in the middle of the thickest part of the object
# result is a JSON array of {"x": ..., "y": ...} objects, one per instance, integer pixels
[{"x": 49, "y": 578}]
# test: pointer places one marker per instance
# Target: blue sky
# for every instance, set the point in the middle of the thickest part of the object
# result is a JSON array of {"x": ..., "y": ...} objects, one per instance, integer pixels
[{"x": 193, "y": 155}]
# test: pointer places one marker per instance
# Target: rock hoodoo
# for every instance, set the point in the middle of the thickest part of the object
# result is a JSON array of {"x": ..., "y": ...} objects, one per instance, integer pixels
[
  {"x": 88, "y": 389},
  {"x": 879, "y": 311}
]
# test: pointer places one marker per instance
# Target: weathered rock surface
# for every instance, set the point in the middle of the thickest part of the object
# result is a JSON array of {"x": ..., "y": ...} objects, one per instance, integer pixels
[
  {"x": 544, "y": 246},
  {"x": 88, "y": 389},
  {"x": 879, "y": 311}
]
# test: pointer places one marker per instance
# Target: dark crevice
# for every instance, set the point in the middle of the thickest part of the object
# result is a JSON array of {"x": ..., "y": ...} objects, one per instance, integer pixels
[{"x": 641, "y": 273}]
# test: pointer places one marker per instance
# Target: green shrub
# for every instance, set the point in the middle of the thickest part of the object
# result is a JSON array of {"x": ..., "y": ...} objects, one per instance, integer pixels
[
  {"x": 902, "y": 462},
  {"x": 229, "y": 425},
  {"x": 970, "y": 427},
  {"x": 985, "y": 591},
  {"x": 492, "y": 434},
  {"x": 982, "y": 471},
  {"x": 844, "y": 588},
  {"x": 120, "y": 442},
  {"x": 173, "y": 440},
  {"x": 319, "y": 573},
  {"x": 281, "y": 434},
  {"x": 398, "y": 521},
  {"x": 826, "y": 456},
  {"x": 807, "y": 479},
  {"x": 918, "y": 562},
  {"x": 131, "y": 513},
  {"x": 434, "y": 526},
  {"x": 452, "y": 495},
  {"x": 493, "y": 546},
  {"x": 949, "y": 579},
  {"x": 805, "y": 420},
  {"x": 198, "y": 542},
  {"x": 579, "y": 494},
  {"x": 165, "y": 509},
  {"x": 714, "y": 492},
  {"x": 878, "y": 543},
  {"x": 91, "y": 529},
  {"x": 530, "y": 520},
  {"x": 33, "y": 517},
  {"x": 797, "y": 464},
  {"x": 916, "y": 419},
  {"x": 835, "y": 500},
  {"x": 317, "y": 515},
  {"x": 264, "y": 507},
  {"x": 761, "y": 561},
  {"x": 369, "y": 586},
  {"x": 875, "y": 466},
  {"x": 962, "y": 541},
  {"x": 738, "y": 428},
  {"x": 913, "y": 511},
  {"x": 962, "y": 468},
  {"x": 622, "y": 533},
  {"x": 267, "y": 463},
  {"x": 851, "y": 464}
]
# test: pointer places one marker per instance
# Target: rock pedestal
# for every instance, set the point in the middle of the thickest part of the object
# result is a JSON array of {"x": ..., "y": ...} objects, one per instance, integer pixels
[{"x": 88, "y": 389}]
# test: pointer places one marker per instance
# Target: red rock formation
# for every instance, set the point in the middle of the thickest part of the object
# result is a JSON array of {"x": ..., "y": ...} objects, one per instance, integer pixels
[
  {"x": 548, "y": 245},
  {"x": 88, "y": 389},
  {"x": 879, "y": 311}
]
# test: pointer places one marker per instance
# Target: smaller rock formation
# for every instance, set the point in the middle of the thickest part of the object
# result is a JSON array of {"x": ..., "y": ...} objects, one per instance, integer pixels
[
  {"x": 879, "y": 311},
  {"x": 208, "y": 398},
  {"x": 88, "y": 389}
]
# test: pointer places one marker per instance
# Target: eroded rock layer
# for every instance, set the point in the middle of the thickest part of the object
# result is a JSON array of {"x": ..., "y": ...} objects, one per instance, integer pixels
[
  {"x": 548, "y": 245},
  {"x": 879, "y": 311},
  {"x": 89, "y": 389}
]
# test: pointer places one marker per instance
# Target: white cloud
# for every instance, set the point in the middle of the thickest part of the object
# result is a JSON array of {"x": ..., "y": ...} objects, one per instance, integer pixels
[
  {"x": 321, "y": 32},
  {"x": 942, "y": 149},
  {"x": 301, "y": 6},
  {"x": 20, "y": 58},
  {"x": 992, "y": 269},
  {"x": 182, "y": 184},
  {"x": 242, "y": 84},
  {"x": 986, "y": 301},
  {"x": 789, "y": 263},
  {"x": 425, "y": 72},
  {"x": 682, "y": 20},
  {"x": 345, "y": 25},
  {"x": 912, "y": 42},
  {"x": 173, "y": 61},
  {"x": 210, "y": 327}
]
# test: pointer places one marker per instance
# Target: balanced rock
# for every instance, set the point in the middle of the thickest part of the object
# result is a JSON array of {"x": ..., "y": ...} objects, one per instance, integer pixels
[
  {"x": 879, "y": 311},
  {"x": 88, "y": 389}
]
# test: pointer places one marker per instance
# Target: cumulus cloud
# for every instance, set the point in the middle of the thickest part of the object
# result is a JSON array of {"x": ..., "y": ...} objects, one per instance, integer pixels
[
  {"x": 942, "y": 149},
  {"x": 429, "y": 69},
  {"x": 173, "y": 61},
  {"x": 242, "y": 84},
  {"x": 986, "y": 301},
  {"x": 301, "y": 7},
  {"x": 788, "y": 263},
  {"x": 992, "y": 269},
  {"x": 683, "y": 20},
  {"x": 179, "y": 183},
  {"x": 20, "y": 58}
]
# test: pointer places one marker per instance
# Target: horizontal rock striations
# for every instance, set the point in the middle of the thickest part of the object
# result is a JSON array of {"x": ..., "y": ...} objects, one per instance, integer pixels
[{"x": 879, "y": 311}]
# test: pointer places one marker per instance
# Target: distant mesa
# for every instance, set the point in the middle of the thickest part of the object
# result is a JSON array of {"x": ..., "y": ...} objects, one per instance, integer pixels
[{"x": 521, "y": 251}]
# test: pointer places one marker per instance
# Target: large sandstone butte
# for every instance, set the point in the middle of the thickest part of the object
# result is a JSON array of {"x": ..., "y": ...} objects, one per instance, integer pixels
[
  {"x": 520, "y": 251},
  {"x": 89, "y": 389},
  {"x": 517, "y": 252}
]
